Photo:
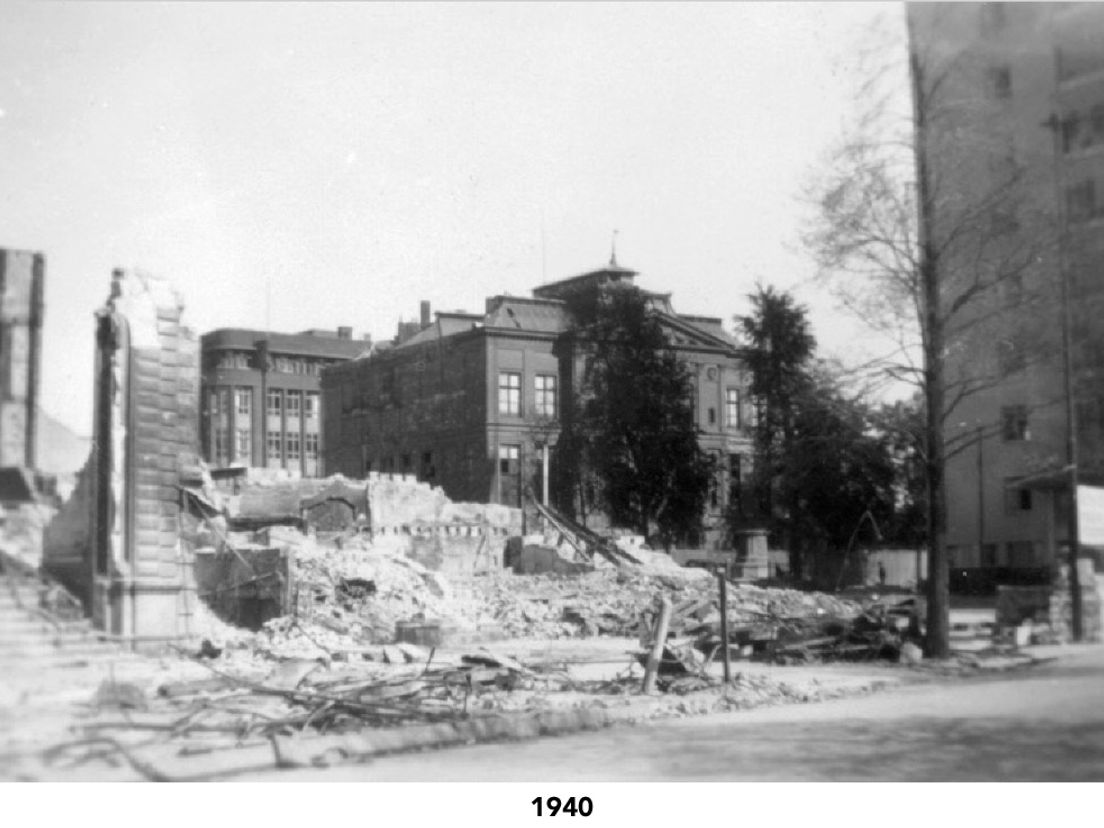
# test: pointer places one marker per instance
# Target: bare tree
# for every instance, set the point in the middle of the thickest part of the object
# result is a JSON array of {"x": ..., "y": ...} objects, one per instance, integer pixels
[{"x": 922, "y": 227}]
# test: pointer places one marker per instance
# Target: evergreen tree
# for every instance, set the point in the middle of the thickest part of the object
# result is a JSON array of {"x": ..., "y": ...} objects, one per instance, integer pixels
[{"x": 629, "y": 443}]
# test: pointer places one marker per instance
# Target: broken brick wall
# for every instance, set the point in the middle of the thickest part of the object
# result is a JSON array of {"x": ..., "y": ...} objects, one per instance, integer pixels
[{"x": 419, "y": 519}]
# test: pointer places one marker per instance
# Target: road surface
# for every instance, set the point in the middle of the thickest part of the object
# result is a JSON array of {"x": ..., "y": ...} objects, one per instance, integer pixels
[{"x": 1044, "y": 724}]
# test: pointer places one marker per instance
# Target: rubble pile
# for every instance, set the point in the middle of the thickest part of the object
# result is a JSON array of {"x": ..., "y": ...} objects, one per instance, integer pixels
[
  {"x": 349, "y": 594},
  {"x": 613, "y": 601}
]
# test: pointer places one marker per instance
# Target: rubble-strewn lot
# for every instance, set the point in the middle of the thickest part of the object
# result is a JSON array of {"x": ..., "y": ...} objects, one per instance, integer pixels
[{"x": 511, "y": 656}]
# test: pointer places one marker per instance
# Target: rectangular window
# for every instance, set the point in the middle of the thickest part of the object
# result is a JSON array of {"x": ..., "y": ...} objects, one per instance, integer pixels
[
  {"x": 222, "y": 445},
  {"x": 509, "y": 459},
  {"x": 291, "y": 443},
  {"x": 244, "y": 446},
  {"x": 732, "y": 407},
  {"x": 545, "y": 395},
  {"x": 213, "y": 403},
  {"x": 310, "y": 448},
  {"x": 243, "y": 400},
  {"x": 294, "y": 402},
  {"x": 310, "y": 405},
  {"x": 274, "y": 449},
  {"x": 988, "y": 554},
  {"x": 509, "y": 393},
  {"x": 1014, "y": 426},
  {"x": 712, "y": 415},
  {"x": 275, "y": 402}
]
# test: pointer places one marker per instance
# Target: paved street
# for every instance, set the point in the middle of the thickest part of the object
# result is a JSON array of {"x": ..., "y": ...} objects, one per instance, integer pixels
[{"x": 1046, "y": 725}]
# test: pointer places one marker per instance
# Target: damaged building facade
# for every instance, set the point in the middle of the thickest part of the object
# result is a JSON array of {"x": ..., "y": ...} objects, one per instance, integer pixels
[
  {"x": 260, "y": 404},
  {"x": 116, "y": 542},
  {"x": 21, "y": 309},
  {"x": 471, "y": 402},
  {"x": 157, "y": 552}
]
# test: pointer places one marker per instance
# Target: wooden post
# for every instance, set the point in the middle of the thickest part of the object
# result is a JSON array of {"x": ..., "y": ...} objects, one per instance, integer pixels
[
  {"x": 723, "y": 582},
  {"x": 657, "y": 644}
]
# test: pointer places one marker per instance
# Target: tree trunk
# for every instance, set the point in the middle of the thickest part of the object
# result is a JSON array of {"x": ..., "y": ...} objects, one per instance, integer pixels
[{"x": 937, "y": 639}]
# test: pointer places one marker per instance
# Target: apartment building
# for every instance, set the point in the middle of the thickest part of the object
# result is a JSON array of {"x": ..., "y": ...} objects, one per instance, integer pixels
[
  {"x": 260, "y": 398},
  {"x": 472, "y": 402},
  {"x": 1012, "y": 136}
]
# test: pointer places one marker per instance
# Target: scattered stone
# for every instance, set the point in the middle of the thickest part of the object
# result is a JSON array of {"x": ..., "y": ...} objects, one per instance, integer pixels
[{"x": 911, "y": 653}]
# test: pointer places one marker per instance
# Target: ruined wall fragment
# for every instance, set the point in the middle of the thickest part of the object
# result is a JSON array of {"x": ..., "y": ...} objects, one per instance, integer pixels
[
  {"x": 21, "y": 309},
  {"x": 145, "y": 427}
]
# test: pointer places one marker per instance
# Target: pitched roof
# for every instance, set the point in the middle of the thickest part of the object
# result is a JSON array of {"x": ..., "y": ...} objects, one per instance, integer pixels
[{"x": 539, "y": 315}]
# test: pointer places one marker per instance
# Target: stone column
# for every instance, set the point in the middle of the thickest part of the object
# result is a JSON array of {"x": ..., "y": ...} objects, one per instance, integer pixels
[{"x": 146, "y": 429}]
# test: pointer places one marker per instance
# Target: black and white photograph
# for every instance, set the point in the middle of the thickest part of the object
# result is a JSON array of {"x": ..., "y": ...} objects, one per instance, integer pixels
[{"x": 554, "y": 393}]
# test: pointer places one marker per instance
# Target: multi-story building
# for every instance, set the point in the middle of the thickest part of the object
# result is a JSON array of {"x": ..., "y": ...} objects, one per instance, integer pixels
[
  {"x": 472, "y": 402},
  {"x": 1012, "y": 139},
  {"x": 21, "y": 307},
  {"x": 260, "y": 403}
]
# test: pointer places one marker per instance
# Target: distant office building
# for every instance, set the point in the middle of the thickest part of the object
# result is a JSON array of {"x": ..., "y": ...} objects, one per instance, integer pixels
[
  {"x": 1017, "y": 131},
  {"x": 260, "y": 403},
  {"x": 472, "y": 402},
  {"x": 21, "y": 308}
]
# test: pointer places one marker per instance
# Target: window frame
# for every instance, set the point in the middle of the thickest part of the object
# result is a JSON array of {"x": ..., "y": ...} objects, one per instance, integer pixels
[
  {"x": 546, "y": 395},
  {"x": 509, "y": 393}
]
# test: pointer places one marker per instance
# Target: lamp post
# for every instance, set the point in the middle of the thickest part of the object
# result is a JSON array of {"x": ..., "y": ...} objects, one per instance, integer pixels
[{"x": 1054, "y": 123}]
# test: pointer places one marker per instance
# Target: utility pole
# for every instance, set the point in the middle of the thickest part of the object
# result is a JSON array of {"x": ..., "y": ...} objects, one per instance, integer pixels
[
  {"x": 1054, "y": 124},
  {"x": 1073, "y": 533},
  {"x": 981, "y": 494}
]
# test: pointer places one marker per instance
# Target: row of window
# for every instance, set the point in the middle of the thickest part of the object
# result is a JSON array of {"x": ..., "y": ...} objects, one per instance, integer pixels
[
  {"x": 545, "y": 400},
  {"x": 1014, "y": 423},
  {"x": 736, "y": 413},
  {"x": 544, "y": 394},
  {"x": 286, "y": 446},
  {"x": 245, "y": 360},
  {"x": 293, "y": 403},
  {"x": 218, "y": 402}
]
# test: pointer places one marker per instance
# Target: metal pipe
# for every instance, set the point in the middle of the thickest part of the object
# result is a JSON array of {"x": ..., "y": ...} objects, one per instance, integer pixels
[{"x": 723, "y": 583}]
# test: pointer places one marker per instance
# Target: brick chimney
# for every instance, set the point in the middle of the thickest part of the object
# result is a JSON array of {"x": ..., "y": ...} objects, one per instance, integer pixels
[{"x": 425, "y": 313}]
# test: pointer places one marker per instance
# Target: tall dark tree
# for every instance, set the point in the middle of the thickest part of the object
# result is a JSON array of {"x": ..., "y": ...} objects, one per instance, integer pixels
[
  {"x": 839, "y": 476},
  {"x": 630, "y": 443},
  {"x": 901, "y": 425},
  {"x": 779, "y": 347}
]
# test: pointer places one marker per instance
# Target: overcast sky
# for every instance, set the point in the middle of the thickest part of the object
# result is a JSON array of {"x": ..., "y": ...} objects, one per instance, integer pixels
[{"x": 349, "y": 160}]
